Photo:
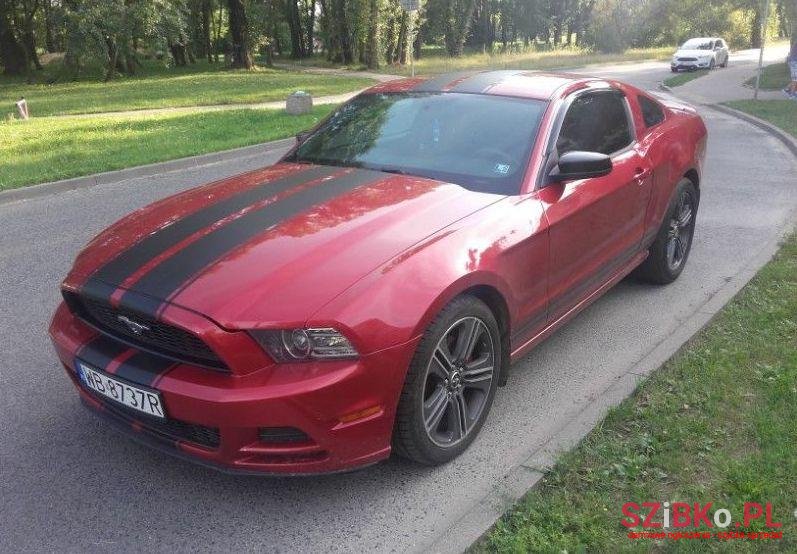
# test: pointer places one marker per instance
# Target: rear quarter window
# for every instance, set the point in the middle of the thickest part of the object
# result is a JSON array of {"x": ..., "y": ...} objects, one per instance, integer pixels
[{"x": 652, "y": 112}]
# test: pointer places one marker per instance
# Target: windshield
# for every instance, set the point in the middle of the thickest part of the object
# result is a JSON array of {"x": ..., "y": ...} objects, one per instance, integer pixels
[
  {"x": 477, "y": 141},
  {"x": 697, "y": 44}
]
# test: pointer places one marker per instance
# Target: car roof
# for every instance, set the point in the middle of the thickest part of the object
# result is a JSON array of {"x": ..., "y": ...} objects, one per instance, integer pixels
[{"x": 521, "y": 83}]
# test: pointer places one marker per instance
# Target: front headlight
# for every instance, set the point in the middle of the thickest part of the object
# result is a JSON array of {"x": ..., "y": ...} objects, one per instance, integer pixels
[{"x": 297, "y": 345}]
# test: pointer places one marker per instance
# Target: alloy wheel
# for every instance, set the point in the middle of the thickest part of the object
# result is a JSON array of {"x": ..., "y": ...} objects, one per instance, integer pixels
[
  {"x": 459, "y": 377},
  {"x": 681, "y": 228}
]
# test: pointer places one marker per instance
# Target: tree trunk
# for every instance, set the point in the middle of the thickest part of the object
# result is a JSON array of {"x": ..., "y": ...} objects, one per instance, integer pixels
[
  {"x": 295, "y": 27},
  {"x": 11, "y": 51},
  {"x": 309, "y": 32},
  {"x": 458, "y": 21},
  {"x": 178, "y": 53},
  {"x": 241, "y": 57},
  {"x": 372, "y": 50},
  {"x": 391, "y": 41},
  {"x": 113, "y": 57},
  {"x": 205, "y": 16},
  {"x": 341, "y": 23},
  {"x": 49, "y": 39},
  {"x": 403, "y": 42},
  {"x": 28, "y": 35},
  {"x": 417, "y": 42},
  {"x": 217, "y": 24}
]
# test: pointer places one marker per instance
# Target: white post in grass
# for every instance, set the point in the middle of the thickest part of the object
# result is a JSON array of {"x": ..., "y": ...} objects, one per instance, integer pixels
[
  {"x": 761, "y": 52},
  {"x": 22, "y": 109}
]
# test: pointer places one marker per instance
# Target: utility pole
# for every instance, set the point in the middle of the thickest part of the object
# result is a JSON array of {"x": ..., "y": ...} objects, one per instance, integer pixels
[{"x": 761, "y": 52}]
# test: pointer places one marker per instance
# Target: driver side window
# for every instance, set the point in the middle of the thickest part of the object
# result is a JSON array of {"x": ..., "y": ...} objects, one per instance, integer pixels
[{"x": 596, "y": 122}]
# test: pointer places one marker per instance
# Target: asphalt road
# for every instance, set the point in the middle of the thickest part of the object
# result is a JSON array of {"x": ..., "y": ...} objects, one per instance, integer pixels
[{"x": 69, "y": 483}]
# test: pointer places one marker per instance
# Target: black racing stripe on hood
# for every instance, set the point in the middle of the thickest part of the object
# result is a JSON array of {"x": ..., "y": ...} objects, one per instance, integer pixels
[
  {"x": 173, "y": 273},
  {"x": 480, "y": 82},
  {"x": 100, "y": 352},
  {"x": 128, "y": 261},
  {"x": 438, "y": 84},
  {"x": 143, "y": 369}
]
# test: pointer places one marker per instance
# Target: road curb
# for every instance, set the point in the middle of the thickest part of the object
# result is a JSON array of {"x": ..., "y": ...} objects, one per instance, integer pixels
[
  {"x": 789, "y": 141},
  {"x": 120, "y": 175},
  {"x": 480, "y": 518}
]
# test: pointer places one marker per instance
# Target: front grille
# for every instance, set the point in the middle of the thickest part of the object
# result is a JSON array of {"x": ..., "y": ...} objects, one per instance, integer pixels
[
  {"x": 687, "y": 59},
  {"x": 155, "y": 336},
  {"x": 171, "y": 429}
]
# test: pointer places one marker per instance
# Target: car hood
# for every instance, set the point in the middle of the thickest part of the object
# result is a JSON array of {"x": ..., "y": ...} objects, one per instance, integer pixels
[
  {"x": 268, "y": 247},
  {"x": 693, "y": 53}
]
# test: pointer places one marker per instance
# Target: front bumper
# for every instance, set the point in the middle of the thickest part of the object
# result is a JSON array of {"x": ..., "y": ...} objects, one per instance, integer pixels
[
  {"x": 341, "y": 412},
  {"x": 689, "y": 66}
]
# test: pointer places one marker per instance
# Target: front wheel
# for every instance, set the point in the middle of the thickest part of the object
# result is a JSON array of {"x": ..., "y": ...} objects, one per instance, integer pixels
[
  {"x": 450, "y": 384},
  {"x": 670, "y": 249}
]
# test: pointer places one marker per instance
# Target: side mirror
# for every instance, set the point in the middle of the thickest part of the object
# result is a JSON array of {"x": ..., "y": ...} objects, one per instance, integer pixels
[
  {"x": 301, "y": 137},
  {"x": 581, "y": 165}
]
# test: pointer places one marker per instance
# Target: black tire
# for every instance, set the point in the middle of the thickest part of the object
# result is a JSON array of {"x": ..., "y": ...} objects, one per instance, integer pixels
[
  {"x": 661, "y": 267},
  {"x": 711, "y": 65},
  {"x": 424, "y": 388}
]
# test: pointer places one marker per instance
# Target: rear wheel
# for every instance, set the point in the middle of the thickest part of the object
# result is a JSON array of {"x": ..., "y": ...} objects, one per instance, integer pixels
[
  {"x": 670, "y": 249},
  {"x": 450, "y": 384}
]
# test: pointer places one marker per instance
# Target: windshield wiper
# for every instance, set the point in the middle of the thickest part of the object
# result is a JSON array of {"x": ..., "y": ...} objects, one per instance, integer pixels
[{"x": 387, "y": 169}]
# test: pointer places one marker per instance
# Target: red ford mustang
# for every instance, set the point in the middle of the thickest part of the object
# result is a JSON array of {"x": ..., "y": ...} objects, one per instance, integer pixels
[{"x": 367, "y": 293}]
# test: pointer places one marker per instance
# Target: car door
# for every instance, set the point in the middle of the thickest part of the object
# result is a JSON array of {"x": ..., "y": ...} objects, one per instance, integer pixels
[{"x": 595, "y": 224}]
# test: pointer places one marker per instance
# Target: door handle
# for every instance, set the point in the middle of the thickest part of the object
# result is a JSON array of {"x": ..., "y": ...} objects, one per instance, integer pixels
[{"x": 641, "y": 174}]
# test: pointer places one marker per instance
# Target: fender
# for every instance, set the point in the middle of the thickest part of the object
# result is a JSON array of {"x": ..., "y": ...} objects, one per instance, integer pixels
[{"x": 403, "y": 295}]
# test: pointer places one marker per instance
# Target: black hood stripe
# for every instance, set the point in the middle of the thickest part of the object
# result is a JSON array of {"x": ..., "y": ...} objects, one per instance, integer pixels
[
  {"x": 141, "y": 368},
  {"x": 128, "y": 261},
  {"x": 144, "y": 369},
  {"x": 175, "y": 272},
  {"x": 480, "y": 82},
  {"x": 439, "y": 84},
  {"x": 100, "y": 352}
]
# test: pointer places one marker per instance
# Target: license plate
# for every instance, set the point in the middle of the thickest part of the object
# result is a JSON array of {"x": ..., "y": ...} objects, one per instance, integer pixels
[{"x": 143, "y": 400}]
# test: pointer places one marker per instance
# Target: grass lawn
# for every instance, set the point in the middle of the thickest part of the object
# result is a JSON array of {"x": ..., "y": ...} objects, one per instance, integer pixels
[
  {"x": 159, "y": 87},
  {"x": 782, "y": 113},
  {"x": 434, "y": 60},
  {"x": 684, "y": 77},
  {"x": 773, "y": 77},
  {"x": 716, "y": 424},
  {"x": 47, "y": 149}
]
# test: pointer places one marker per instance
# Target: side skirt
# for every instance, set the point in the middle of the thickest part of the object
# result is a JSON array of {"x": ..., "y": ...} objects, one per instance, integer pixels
[{"x": 547, "y": 331}]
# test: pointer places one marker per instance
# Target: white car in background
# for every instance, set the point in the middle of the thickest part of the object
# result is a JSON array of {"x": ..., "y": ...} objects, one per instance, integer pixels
[{"x": 700, "y": 53}]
